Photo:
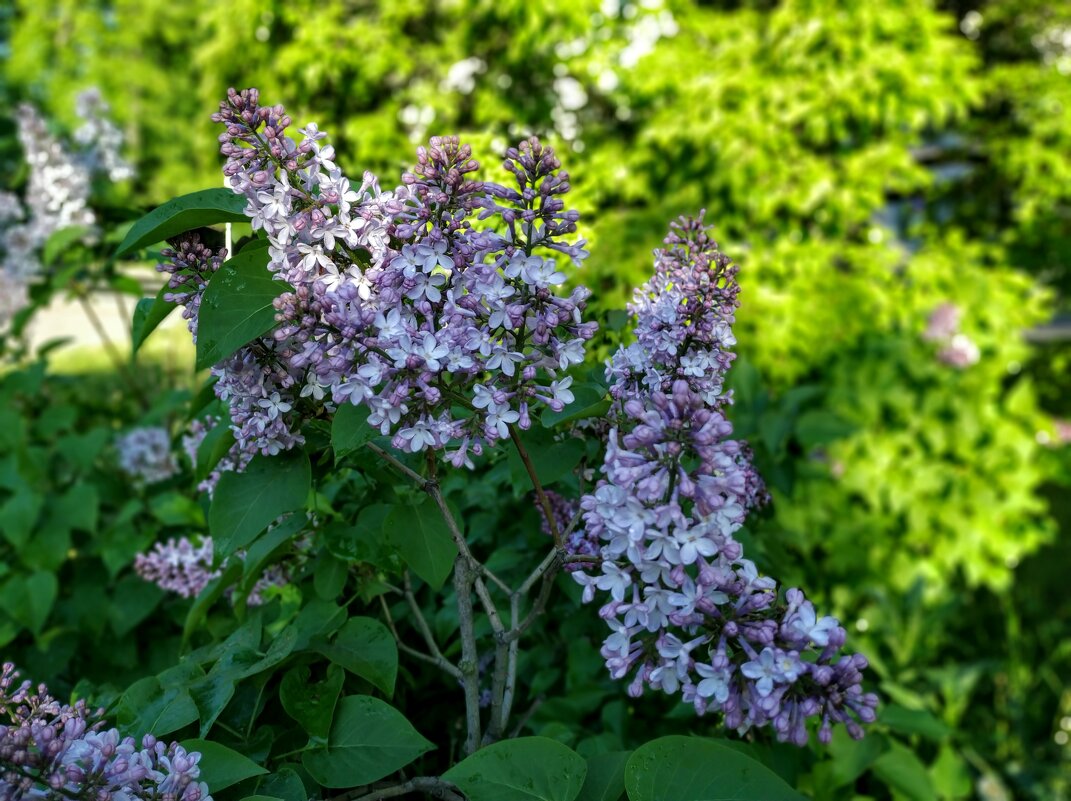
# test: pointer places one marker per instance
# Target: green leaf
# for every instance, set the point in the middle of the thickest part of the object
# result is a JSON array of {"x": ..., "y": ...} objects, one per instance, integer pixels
[
  {"x": 159, "y": 704},
  {"x": 216, "y": 444},
  {"x": 195, "y": 210},
  {"x": 60, "y": 241},
  {"x": 422, "y": 538},
  {"x": 330, "y": 576},
  {"x": 913, "y": 721},
  {"x": 208, "y": 596},
  {"x": 236, "y": 307},
  {"x": 695, "y": 769},
  {"x": 221, "y": 766},
  {"x": 148, "y": 314},
  {"x": 245, "y": 503},
  {"x": 29, "y": 600},
  {"x": 524, "y": 769},
  {"x": 311, "y": 704},
  {"x": 364, "y": 647},
  {"x": 284, "y": 784},
  {"x": 369, "y": 740},
  {"x": 901, "y": 769},
  {"x": 134, "y": 600},
  {"x": 20, "y": 513},
  {"x": 852, "y": 758},
  {"x": 350, "y": 429},
  {"x": 606, "y": 777},
  {"x": 589, "y": 400}
]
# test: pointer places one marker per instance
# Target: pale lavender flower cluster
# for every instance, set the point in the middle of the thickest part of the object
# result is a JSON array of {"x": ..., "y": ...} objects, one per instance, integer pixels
[
  {"x": 145, "y": 455},
  {"x": 689, "y": 613},
  {"x": 55, "y": 752},
  {"x": 956, "y": 348},
  {"x": 576, "y": 540},
  {"x": 57, "y": 193},
  {"x": 184, "y": 567},
  {"x": 449, "y": 331}
]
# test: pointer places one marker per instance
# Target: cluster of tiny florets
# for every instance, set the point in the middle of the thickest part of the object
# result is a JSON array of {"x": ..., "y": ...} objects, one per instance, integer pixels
[
  {"x": 689, "y": 614},
  {"x": 58, "y": 752},
  {"x": 185, "y": 567},
  {"x": 449, "y": 330},
  {"x": 145, "y": 455},
  {"x": 57, "y": 193}
]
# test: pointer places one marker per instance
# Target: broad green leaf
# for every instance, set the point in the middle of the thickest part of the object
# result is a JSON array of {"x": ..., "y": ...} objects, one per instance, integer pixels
[
  {"x": 221, "y": 766},
  {"x": 589, "y": 400},
  {"x": 208, "y": 596},
  {"x": 913, "y": 721},
  {"x": 245, "y": 503},
  {"x": 852, "y": 758},
  {"x": 19, "y": 513},
  {"x": 605, "y": 780},
  {"x": 148, "y": 314},
  {"x": 195, "y": 210},
  {"x": 29, "y": 599},
  {"x": 901, "y": 769},
  {"x": 60, "y": 241},
  {"x": 350, "y": 429},
  {"x": 284, "y": 783},
  {"x": 329, "y": 578},
  {"x": 422, "y": 538},
  {"x": 160, "y": 704},
  {"x": 134, "y": 600},
  {"x": 364, "y": 647},
  {"x": 236, "y": 307},
  {"x": 216, "y": 444},
  {"x": 524, "y": 769},
  {"x": 369, "y": 740},
  {"x": 680, "y": 768},
  {"x": 311, "y": 703}
]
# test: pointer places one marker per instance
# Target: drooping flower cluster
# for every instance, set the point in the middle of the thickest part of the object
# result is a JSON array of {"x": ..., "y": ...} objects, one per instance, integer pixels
[
  {"x": 145, "y": 455},
  {"x": 449, "y": 331},
  {"x": 956, "y": 348},
  {"x": 689, "y": 613},
  {"x": 189, "y": 264},
  {"x": 184, "y": 567},
  {"x": 57, "y": 193},
  {"x": 55, "y": 752}
]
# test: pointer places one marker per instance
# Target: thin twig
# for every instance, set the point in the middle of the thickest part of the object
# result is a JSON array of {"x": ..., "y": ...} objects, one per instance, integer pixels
[
  {"x": 434, "y": 659},
  {"x": 121, "y": 366},
  {"x": 548, "y": 512},
  {"x": 393, "y": 462},
  {"x": 421, "y": 621},
  {"x": 432, "y": 785},
  {"x": 526, "y": 717}
]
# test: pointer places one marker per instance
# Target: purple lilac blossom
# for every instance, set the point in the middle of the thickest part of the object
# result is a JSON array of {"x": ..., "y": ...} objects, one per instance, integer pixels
[
  {"x": 145, "y": 455},
  {"x": 184, "y": 567},
  {"x": 55, "y": 752},
  {"x": 449, "y": 331},
  {"x": 576, "y": 540},
  {"x": 689, "y": 614}
]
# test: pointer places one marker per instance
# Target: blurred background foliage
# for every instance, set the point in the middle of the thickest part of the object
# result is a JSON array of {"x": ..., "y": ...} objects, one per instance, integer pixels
[{"x": 864, "y": 162}]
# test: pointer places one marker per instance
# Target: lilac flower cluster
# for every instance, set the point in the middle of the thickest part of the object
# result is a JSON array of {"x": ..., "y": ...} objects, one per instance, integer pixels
[
  {"x": 449, "y": 331},
  {"x": 55, "y": 751},
  {"x": 577, "y": 541},
  {"x": 145, "y": 455},
  {"x": 185, "y": 568},
  {"x": 190, "y": 264},
  {"x": 689, "y": 613},
  {"x": 57, "y": 193},
  {"x": 956, "y": 348}
]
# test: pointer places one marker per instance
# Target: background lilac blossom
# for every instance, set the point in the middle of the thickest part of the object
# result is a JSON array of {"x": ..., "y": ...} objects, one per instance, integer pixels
[
  {"x": 145, "y": 455},
  {"x": 689, "y": 614},
  {"x": 54, "y": 751}
]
